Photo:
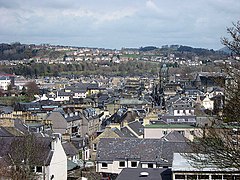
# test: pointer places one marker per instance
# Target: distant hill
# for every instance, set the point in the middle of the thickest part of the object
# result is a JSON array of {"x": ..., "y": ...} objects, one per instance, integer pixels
[
  {"x": 16, "y": 51},
  {"x": 225, "y": 50},
  {"x": 194, "y": 50},
  {"x": 147, "y": 48}
]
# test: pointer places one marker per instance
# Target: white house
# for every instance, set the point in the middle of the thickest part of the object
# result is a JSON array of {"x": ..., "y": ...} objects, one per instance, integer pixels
[
  {"x": 79, "y": 94},
  {"x": 115, "y": 154},
  {"x": 62, "y": 96},
  {"x": 4, "y": 82},
  {"x": 57, "y": 168},
  {"x": 208, "y": 103},
  {"x": 181, "y": 106}
]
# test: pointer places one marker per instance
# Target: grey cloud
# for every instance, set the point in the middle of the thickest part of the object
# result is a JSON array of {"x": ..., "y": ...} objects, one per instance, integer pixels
[{"x": 119, "y": 23}]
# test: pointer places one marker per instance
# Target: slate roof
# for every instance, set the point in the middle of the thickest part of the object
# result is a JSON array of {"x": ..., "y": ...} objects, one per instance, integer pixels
[
  {"x": 116, "y": 117},
  {"x": 154, "y": 174},
  {"x": 118, "y": 132},
  {"x": 145, "y": 150},
  {"x": 175, "y": 119},
  {"x": 129, "y": 116},
  {"x": 78, "y": 142},
  {"x": 63, "y": 93},
  {"x": 58, "y": 117},
  {"x": 6, "y": 109},
  {"x": 69, "y": 148},
  {"x": 71, "y": 165},
  {"x": 31, "y": 106},
  {"x": 133, "y": 102},
  {"x": 73, "y": 118},
  {"x": 4, "y": 132},
  {"x": 174, "y": 136},
  {"x": 58, "y": 120},
  {"x": 164, "y": 126},
  {"x": 79, "y": 90},
  {"x": 137, "y": 127},
  {"x": 18, "y": 124},
  {"x": 127, "y": 133}
]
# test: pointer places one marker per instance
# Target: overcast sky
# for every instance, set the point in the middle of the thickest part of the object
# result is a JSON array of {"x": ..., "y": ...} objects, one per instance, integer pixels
[{"x": 118, "y": 23}]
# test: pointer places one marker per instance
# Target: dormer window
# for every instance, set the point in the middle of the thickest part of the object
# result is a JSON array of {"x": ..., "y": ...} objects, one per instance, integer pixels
[
  {"x": 133, "y": 164},
  {"x": 122, "y": 164},
  {"x": 150, "y": 165}
]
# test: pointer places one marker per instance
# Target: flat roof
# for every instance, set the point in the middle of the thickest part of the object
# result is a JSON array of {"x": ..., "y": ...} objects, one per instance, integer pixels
[
  {"x": 170, "y": 126},
  {"x": 153, "y": 174},
  {"x": 183, "y": 162}
]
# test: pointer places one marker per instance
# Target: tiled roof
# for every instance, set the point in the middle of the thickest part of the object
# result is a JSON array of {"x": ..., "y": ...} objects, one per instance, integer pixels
[
  {"x": 137, "y": 127},
  {"x": 132, "y": 102},
  {"x": 145, "y": 150},
  {"x": 69, "y": 148},
  {"x": 4, "y": 132},
  {"x": 118, "y": 132},
  {"x": 73, "y": 118},
  {"x": 170, "y": 126},
  {"x": 127, "y": 133},
  {"x": 174, "y": 136},
  {"x": 153, "y": 174}
]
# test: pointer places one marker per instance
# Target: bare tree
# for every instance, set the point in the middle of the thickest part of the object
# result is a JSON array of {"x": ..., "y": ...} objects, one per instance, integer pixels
[
  {"x": 232, "y": 69},
  {"x": 32, "y": 89},
  {"x": 219, "y": 145},
  {"x": 234, "y": 43},
  {"x": 21, "y": 155}
]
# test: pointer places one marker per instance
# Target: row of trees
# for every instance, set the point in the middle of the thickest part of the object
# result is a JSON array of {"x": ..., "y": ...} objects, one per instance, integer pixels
[
  {"x": 34, "y": 70},
  {"x": 16, "y": 51}
]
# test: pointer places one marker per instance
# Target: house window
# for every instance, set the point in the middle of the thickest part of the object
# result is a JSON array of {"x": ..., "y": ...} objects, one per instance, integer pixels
[
  {"x": 181, "y": 120},
  {"x": 32, "y": 169},
  {"x": 39, "y": 169},
  {"x": 104, "y": 165},
  {"x": 228, "y": 177},
  {"x": 181, "y": 132},
  {"x": 179, "y": 176},
  {"x": 94, "y": 147},
  {"x": 203, "y": 176},
  {"x": 74, "y": 129},
  {"x": 164, "y": 132},
  {"x": 122, "y": 164},
  {"x": 192, "y": 132},
  {"x": 150, "y": 165},
  {"x": 216, "y": 176},
  {"x": 193, "y": 177},
  {"x": 133, "y": 164}
]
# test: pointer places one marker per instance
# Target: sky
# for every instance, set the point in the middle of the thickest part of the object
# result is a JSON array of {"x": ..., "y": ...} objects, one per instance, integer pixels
[{"x": 118, "y": 23}]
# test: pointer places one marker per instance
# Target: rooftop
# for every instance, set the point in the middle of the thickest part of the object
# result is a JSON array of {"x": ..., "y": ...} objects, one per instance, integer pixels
[
  {"x": 180, "y": 126},
  {"x": 181, "y": 162},
  {"x": 145, "y": 150},
  {"x": 153, "y": 174}
]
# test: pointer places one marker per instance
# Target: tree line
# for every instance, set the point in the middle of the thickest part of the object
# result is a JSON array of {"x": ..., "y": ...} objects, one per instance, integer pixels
[
  {"x": 16, "y": 51},
  {"x": 35, "y": 70}
]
